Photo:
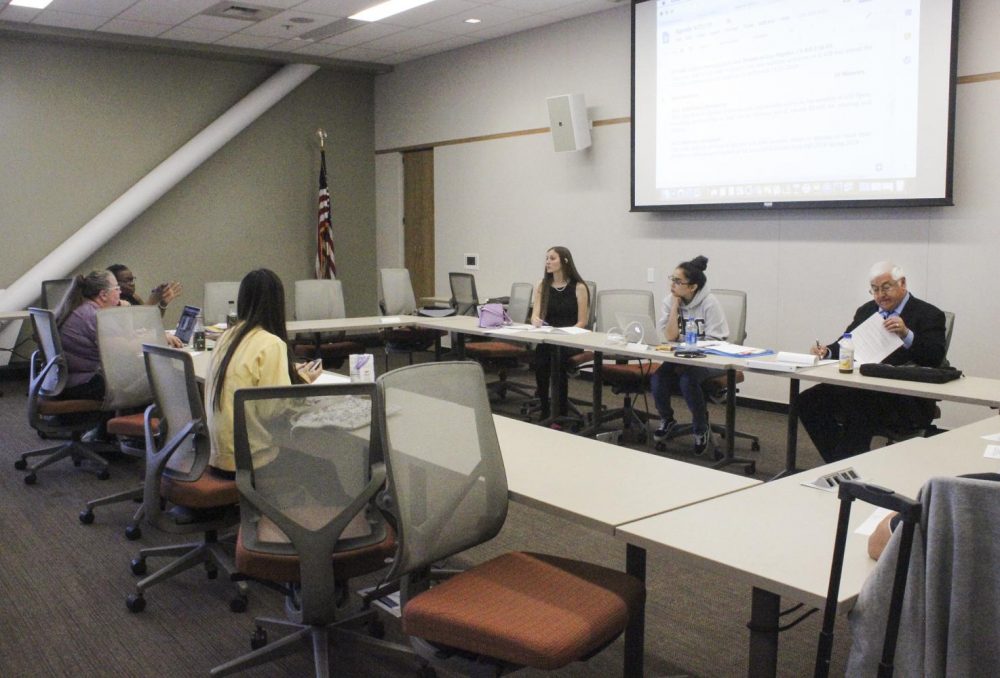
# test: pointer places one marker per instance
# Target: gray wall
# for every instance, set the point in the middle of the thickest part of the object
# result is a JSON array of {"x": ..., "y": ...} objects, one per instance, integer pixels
[
  {"x": 79, "y": 125},
  {"x": 805, "y": 271}
]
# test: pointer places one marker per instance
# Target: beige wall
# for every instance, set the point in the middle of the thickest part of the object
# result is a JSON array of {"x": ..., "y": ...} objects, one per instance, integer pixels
[{"x": 80, "y": 124}]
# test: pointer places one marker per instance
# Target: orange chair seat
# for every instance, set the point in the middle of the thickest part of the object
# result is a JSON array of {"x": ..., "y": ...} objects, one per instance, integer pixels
[
  {"x": 131, "y": 425},
  {"x": 207, "y": 492},
  {"x": 526, "y": 608},
  {"x": 496, "y": 350},
  {"x": 51, "y": 407},
  {"x": 630, "y": 376},
  {"x": 278, "y": 567}
]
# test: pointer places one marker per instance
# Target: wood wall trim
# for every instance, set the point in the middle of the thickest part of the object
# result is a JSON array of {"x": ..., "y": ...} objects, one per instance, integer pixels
[{"x": 962, "y": 80}]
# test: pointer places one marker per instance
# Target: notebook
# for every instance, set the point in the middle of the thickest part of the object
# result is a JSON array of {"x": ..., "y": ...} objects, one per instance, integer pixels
[{"x": 185, "y": 326}]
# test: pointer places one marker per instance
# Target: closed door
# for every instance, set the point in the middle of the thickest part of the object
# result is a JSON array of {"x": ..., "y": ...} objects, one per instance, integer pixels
[{"x": 418, "y": 220}]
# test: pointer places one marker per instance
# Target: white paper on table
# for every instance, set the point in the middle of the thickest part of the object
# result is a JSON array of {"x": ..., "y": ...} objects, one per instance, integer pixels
[
  {"x": 872, "y": 342},
  {"x": 993, "y": 436},
  {"x": 331, "y": 378},
  {"x": 867, "y": 527},
  {"x": 390, "y": 319},
  {"x": 992, "y": 452}
]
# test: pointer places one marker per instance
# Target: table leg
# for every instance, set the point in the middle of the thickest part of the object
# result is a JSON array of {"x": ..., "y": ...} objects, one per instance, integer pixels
[
  {"x": 792, "y": 430},
  {"x": 597, "y": 396},
  {"x": 635, "y": 632},
  {"x": 458, "y": 345},
  {"x": 764, "y": 634},
  {"x": 729, "y": 456}
]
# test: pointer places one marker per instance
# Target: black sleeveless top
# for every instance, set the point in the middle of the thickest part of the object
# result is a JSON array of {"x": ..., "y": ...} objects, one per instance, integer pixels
[{"x": 562, "y": 310}]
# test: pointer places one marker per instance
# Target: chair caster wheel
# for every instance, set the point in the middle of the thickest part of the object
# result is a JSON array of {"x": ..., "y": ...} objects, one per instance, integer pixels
[
  {"x": 30, "y": 479},
  {"x": 376, "y": 629},
  {"x": 238, "y": 604},
  {"x": 258, "y": 639},
  {"x": 133, "y": 532},
  {"x": 750, "y": 469},
  {"x": 104, "y": 475},
  {"x": 138, "y": 566},
  {"x": 20, "y": 464},
  {"x": 211, "y": 573},
  {"x": 755, "y": 446},
  {"x": 87, "y": 517},
  {"x": 135, "y": 603}
]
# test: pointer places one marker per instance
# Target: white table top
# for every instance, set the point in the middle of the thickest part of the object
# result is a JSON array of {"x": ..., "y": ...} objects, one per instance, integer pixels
[
  {"x": 467, "y": 324},
  {"x": 779, "y": 536},
  {"x": 13, "y": 315},
  {"x": 343, "y": 324},
  {"x": 598, "y": 484}
]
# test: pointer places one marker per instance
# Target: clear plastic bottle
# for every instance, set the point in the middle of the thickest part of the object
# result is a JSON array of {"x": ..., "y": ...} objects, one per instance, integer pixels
[
  {"x": 231, "y": 314},
  {"x": 198, "y": 336},
  {"x": 846, "y": 362},
  {"x": 691, "y": 332}
]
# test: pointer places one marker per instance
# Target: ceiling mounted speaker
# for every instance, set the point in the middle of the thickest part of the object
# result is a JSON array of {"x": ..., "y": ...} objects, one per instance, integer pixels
[{"x": 568, "y": 122}]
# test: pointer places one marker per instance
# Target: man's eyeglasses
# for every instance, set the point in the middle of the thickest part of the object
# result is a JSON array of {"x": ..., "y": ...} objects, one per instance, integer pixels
[
  {"x": 884, "y": 288},
  {"x": 677, "y": 281}
]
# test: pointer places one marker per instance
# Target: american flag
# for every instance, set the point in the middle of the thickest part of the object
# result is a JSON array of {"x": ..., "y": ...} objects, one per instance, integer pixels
[{"x": 326, "y": 267}]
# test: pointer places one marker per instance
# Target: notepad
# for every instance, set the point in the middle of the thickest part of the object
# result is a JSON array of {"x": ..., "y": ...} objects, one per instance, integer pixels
[{"x": 785, "y": 361}]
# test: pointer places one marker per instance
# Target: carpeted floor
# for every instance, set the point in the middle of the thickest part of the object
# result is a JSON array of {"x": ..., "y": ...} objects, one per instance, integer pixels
[{"x": 63, "y": 584}]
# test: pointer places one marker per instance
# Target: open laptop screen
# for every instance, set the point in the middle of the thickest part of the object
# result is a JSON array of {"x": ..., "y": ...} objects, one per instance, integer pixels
[{"x": 185, "y": 326}]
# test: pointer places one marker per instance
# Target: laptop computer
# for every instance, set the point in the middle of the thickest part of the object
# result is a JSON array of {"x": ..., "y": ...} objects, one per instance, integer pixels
[
  {"x": 650, "y": 336},
  {"x": 185, "y": 326}
]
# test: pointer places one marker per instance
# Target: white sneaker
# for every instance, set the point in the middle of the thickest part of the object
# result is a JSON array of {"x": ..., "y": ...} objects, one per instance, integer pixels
[{"x": 700, "y": 443}]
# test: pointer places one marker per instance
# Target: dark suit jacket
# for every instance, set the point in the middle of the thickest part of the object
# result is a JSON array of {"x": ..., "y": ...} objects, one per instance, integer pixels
[{"x": 927, "y": 323}]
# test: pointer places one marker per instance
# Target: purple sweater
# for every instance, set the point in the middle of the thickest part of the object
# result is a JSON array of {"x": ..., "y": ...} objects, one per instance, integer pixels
[{"x": 79, "y": 340}]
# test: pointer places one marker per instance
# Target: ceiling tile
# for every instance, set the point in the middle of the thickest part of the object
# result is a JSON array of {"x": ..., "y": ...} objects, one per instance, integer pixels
[
  {"x": 19, "y": 14},
  {"x": 187, "y": 34},
  {"x": 434, "y": 11},
  {"x": 362, "y": 54},
  {"x": 363, "y": 34},
  {"x": 582, "y": 7},
  {"x": 217, "y": 23},
  {"x": 248, "y": 41},
  {"x": 159, "y": 12},
  {"x": 105, "y": 8},
  {"x": 86, "y": 22},
  {"x": 523, "y": 23},
  {"x": 337, "y": 8},
  {"x": 407, "y": 40},
  {"x": 282, "y": 26}
]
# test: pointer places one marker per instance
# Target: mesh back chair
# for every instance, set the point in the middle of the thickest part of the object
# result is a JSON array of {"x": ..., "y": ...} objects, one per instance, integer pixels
[
  {"x": 51, "y": 416},
  {"x": 397, "y": 300},
  {"x": 318, "y": 300},
  {"x": 180, "y": 495},
  {"x": 895, "y": 434},
  {"x": 308, "y": 478},
  {"x": 627, "y": 379},
  {"x": 448, "y": 493},
  {"x": 734, "y": 306},
  {"x": 57, "y": 296},
  {"x": 215, "y": 305},
  {"x": 121, "y": 334},
  {"x": 502, "y": 355},
  {"x": 463, "y": 293}
]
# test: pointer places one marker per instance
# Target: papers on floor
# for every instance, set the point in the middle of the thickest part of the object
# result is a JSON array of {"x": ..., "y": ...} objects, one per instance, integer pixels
[
  {"x": 731, "y": 350},
  {"x": 872, "y": 342},
  {"x": 785, "y": 361}
]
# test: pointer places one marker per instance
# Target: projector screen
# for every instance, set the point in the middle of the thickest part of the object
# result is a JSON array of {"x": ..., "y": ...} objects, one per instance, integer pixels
[{"x": 792, "y": 103}]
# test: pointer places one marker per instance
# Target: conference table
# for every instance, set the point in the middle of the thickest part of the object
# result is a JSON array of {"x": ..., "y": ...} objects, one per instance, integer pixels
[
  {"x": 969, "y": 390},
  {"x": 594, "y": 484},
  {"x": 777, "y": 537}
]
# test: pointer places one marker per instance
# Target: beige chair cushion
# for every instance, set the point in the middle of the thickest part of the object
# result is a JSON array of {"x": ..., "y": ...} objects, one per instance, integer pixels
[{"x": 527, "y": 609}]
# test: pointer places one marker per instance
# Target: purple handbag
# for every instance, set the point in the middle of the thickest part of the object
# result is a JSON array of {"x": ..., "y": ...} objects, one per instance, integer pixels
[{"x": 493, "y": 316}]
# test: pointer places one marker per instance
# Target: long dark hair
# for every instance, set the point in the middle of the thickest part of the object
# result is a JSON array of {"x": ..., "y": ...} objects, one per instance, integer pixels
[
  {"x": 261, "y": 303},
  {"x": 569, "y": 272},
  {"x": 695, "y": 271}
]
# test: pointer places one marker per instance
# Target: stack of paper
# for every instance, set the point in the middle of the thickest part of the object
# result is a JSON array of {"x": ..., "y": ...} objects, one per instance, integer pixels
[
  {"x": 785, "y": 361},
  {"x": 731, "y": 350}
]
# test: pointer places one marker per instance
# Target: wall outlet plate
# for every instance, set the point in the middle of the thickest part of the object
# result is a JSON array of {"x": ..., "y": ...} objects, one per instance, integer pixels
[{"x": 472, "y": 262}]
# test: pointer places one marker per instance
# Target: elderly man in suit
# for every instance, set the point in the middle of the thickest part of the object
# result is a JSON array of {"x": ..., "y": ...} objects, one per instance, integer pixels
[{"x": 841, "y": 421}]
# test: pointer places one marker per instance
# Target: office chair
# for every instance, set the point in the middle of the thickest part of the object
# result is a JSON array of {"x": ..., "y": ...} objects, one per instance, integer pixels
[
  {"x": 951, "y": 586},
  {"x": 627, "y": 379},
  {"x": 49, "y": 415},
  {"x": 463, "y": 293},
  {"x": 317, "y": 300},
  {"x": 218, "y": 296},
  {"x": 518, "y": 609},
  {"x": 308, "y": 518},
  {"x": 503, "y": 355},
  {"x": 57, "y": 295},
  {"x": 734, "y": 306},
  {"x": 180, "y": 495},
  {"x": 121, "y": 334},
  {"x": 896, "y": 434},
  {"x": 396, "y": 295}
]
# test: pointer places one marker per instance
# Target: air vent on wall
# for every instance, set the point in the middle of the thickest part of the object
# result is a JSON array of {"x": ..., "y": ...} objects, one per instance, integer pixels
[{"x": 242, "y": 11}]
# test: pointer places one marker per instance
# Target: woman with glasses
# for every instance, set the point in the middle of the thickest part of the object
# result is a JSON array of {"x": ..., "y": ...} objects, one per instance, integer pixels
[
  {"x": 689, "y": 298},
  {"x": 78, "y": 333}
]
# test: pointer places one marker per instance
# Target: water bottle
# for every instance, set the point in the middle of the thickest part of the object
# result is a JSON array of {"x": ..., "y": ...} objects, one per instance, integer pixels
[
  {"x": 691, "y": 332},
  {"x": 231, "y": 315},
  {"x": 198, "y": 338},
  {"x": 846, "y": 362}
]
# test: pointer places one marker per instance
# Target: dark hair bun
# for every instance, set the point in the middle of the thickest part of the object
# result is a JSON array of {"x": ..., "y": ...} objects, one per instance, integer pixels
[{"x": 699, "y": 262}]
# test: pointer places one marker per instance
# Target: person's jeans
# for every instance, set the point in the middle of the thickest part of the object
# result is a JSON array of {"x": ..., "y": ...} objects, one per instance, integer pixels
[{"x": 686, "y": 379}]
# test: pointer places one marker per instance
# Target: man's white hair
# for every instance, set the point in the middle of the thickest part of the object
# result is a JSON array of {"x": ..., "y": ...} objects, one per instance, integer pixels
[{"x": 883, "y": 267}]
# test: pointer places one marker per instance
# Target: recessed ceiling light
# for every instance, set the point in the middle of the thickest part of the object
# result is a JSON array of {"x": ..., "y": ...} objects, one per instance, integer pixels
[
  {"x": 473, "y": 21},
  {"x": 34, "y": 4},
  {"x": 387, "y": 9}
]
